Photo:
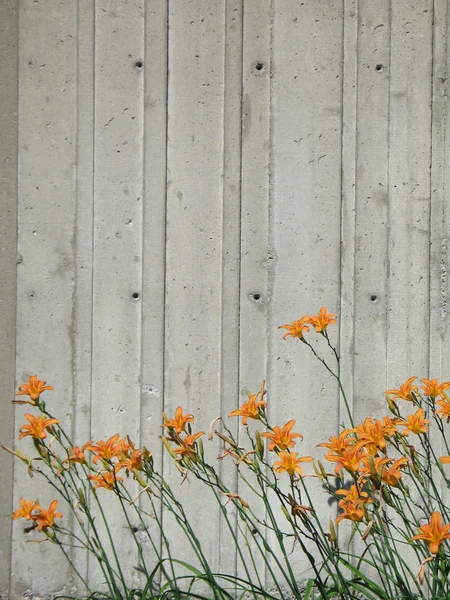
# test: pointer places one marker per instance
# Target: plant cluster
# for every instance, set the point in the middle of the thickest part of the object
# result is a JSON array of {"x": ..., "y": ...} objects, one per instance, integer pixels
[{"x": 385, "y": 475}]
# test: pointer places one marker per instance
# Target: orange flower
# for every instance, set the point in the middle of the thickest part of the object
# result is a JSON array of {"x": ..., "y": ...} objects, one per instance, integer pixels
[
  {"x": 251, "y": 408},
  {"x": 445, "y": 460},
  {"x": 405, "y": 392},
  {"x": 26, "y": 509},
  {"x": 106, "y": 479},
  {"x": 46, "y": 518},
  {"x": 444, "y": 409},
  {"x": 433, "y": 533},
  {"x": 296, "y": 328},
  {"x": 352, "y": 504},
  {"x": 33, "y": 389},
  {"x": 415, "y": 423},
  {"x": 322, "y": 320},
  {"x": 374, "y": 433},
  {"x": 392, "y": 475},
  {"x": 290, "y": 463},
  {"x": 36, "y": 427},
  {"x": 134, "y": 461},
  {"x": 282, "y": 437},
  {"x": 105, "y": 450},
  {"x": 349, "y": 459},
  {"x": 77, "y": 455},
  {"x": 340, "y": 443},
  {"x": 180, "y": 420},
  {"x": 432, "y": 388},
  {"x": 187, "y": 447}
]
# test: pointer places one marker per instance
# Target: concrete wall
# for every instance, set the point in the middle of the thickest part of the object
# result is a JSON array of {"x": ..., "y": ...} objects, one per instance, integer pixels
[{"x": 185, "y": 176}]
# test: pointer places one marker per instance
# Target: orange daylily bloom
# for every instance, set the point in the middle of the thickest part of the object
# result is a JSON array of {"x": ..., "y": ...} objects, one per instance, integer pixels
[
  {"x": 296, "y": 328},
  {"x": 392, "y": 475},
  {"x": 134, "y": 461},
  {"x": 106, "y": 479},
  {"x": 36, "y": 427},
  {"x": 77, "y": 455},
  {"x": 251, "y": 408},
  {"x": 282, "y": 437},
  {"x": 433, "y": 533},
  {"x": 340, "y": 443},
  {"x": 124, "y": 447},
  {"x": 290, "y": 463},
  {"x": 432, "y": 388},
  {"x": 179, "y": 421},
  {"x": 321, "y": 321},
  {"x": 445, "y": 460},
  {"x": 46, "y": 518},
  {"x": 33, "y": 389},
  {"x": 415, "y": 423},
  {"x": 187, "y": 447},
  {"x": 444, "y": 409},
  {"x": 26, "y": 509},
  {"x": 350, "y": 458},
  {"x": 105, "y": 450},
  {"x": 405, "y": 391},
  {"x": 374, "y": 433},
  {"x": 352, "y": 504}
]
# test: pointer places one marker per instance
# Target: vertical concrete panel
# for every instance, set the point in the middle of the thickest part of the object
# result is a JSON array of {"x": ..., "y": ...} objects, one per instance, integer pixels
[
  {"x": 84, "y": 239},
  {"x": 439, "y": 347},
  {"x": 255, "y": 166},
  {"x": 194, "y": 240},
  {"x": 306, "y": 220},
  {"x": 231, "y": 232},
  {"x": 8, "y": 254},
  {"x": 410, "y": 72},
  {"x": 117, "y": 262},
  {"x": 45, "y": 284},
  {"x": 154, "y": 226},
  {"x": 371, "y": 210}
]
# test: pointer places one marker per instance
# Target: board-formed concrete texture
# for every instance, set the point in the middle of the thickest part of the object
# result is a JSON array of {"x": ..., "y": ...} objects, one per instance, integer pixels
[{"x": 180, "y": 177}]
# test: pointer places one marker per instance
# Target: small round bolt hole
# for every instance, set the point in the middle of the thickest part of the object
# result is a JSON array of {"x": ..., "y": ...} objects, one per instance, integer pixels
[
  {"x": 139, "y": 64},
  {"x": 379, "y": 68},
  {"x": 135, "y": 295},
  {"x": 373, "y": 298},
  {"x": 256, "y": 296},
  {"x": 259, "y": 68},
  {"x": 135, "y": 529}
]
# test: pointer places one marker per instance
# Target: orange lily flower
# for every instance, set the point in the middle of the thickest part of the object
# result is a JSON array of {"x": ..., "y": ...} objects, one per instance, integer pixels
[
  {"x": 250, "y": 409},
  {"x": 187, "y": 447},
  {"x": 349, "y": 459},
  {"x": 296, "y": 328},
  {"x": 179, "y": 421},
  {"x": 433, "y": 533},
  {"x": 33, "y": 389},
  {"x": 282, "y": 437},
  {"x": 290, "y": 463},
  {"x": 415, "y": 423},
  {"x": 26, "y": 509},
  {"x": 340, "y": 443},
  {"x": 46, "y": 518},
  {"x": 106, "y": 479},
  {"x": 36, "y": 427},
  {"x": 392, "y": 475},
  {"x": 134, "y": 461},
  {"x": 124, "y": 447},
  {"x": 352, "y": 504},
  {"x": 445, "y": 460},
  {"x": 105, "y": 450},
  {"x": 405, "y": 391},
  {"x": 321, "y": 321},
  {"x": 374, "y": 433},
  {"x": 432, "y": 388},
  {"x": 444, "y": 409},
  {"x": 77, "y": 455}
]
